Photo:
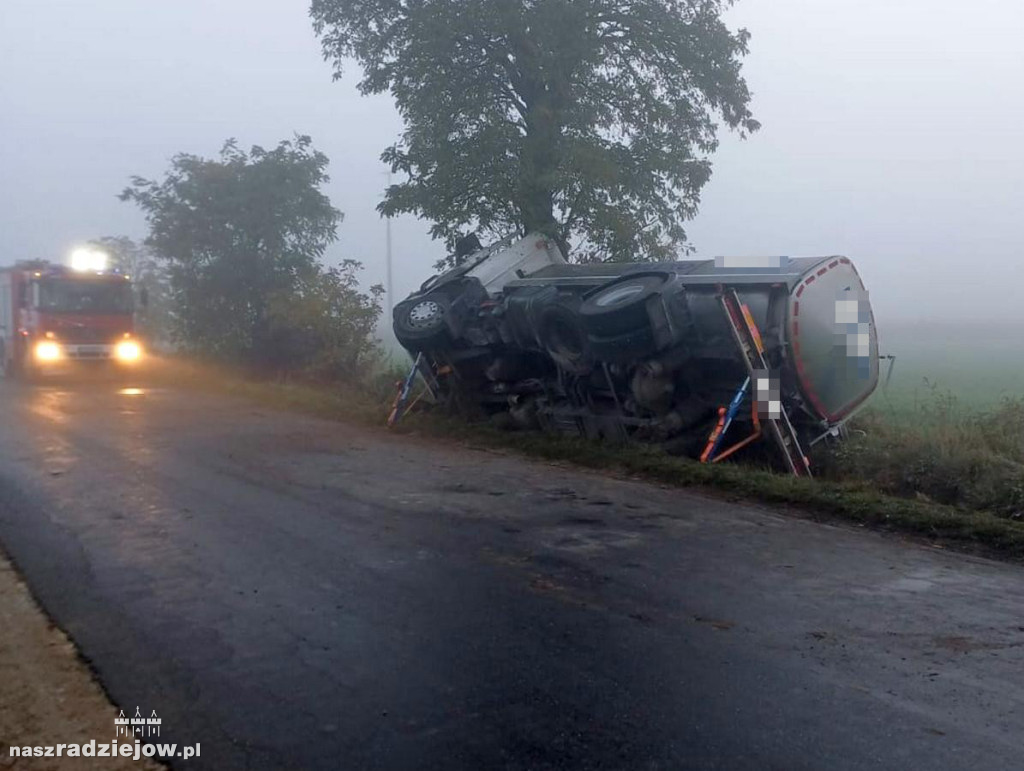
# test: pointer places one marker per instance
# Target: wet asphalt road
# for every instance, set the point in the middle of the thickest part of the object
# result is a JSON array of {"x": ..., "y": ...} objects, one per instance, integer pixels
[{"x": 295, "y": 593}]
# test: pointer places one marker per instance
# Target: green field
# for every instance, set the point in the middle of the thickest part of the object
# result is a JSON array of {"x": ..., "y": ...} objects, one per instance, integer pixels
[{"x": 977, "y": 366}]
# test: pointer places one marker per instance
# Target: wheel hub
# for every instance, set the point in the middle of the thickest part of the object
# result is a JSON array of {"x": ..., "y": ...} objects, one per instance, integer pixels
[{"x": 424, "y": 314}]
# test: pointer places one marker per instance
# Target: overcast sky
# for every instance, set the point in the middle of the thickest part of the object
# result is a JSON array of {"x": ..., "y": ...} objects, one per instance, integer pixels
[{"x": 892, "y": 133}]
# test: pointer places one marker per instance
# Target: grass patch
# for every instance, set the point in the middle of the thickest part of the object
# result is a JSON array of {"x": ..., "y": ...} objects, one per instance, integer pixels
[{"x": 943, "y": 451}]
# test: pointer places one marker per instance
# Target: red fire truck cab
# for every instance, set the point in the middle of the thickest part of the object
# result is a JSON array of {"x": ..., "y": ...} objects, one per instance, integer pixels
[{"x": 52, "y": 316}]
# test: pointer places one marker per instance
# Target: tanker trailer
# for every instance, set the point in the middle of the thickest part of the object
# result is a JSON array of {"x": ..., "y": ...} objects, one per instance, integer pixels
[{"x": 682, "y": 354}]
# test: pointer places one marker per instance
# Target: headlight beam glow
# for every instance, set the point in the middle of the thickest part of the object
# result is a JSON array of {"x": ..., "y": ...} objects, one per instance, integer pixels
[
  {"x": 47, "y": 350},
  {"x": 127, "y": 350}
]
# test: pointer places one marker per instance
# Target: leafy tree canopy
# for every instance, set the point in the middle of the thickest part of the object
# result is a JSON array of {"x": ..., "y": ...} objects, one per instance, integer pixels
[
  {"x": 590, "y": 120},
  {"x": 237, "y": 230}
]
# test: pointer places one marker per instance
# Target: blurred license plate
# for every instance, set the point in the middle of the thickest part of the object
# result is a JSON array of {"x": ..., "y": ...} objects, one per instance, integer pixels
[{"x": 91, "y": 351}]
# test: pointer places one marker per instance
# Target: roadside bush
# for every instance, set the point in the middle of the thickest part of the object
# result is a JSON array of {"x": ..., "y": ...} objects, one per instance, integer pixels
[{"x": 323, "y": 330}]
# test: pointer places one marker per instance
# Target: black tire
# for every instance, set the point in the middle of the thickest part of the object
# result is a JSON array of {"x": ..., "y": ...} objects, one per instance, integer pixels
[
  {"x": 620, "y": 306},
  {"x": 627, "y": 348},
  {"x": 421, "y": 323},
  {"x": 561, "y": 332}
]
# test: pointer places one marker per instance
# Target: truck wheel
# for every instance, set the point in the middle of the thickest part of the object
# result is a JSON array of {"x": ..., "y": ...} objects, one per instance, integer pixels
[
  {"x": 421, "y": 323},
  {"x": 621, "y": 306}
]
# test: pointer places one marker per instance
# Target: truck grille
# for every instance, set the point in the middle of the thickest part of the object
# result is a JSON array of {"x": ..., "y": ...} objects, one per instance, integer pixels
[{"x": 84, "y": 335}]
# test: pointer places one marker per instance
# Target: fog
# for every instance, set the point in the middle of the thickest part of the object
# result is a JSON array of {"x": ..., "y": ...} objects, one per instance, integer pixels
[{"x": 891, "y": 134}]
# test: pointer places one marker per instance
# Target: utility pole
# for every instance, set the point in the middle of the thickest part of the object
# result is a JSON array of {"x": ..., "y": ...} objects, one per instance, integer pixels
[{"x": 390, "y": 286}]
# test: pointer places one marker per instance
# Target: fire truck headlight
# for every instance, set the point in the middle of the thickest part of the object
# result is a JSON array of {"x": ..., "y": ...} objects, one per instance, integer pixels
[
  {"x": 128, "y": 350},
  {"x": 47, "y": 350}
]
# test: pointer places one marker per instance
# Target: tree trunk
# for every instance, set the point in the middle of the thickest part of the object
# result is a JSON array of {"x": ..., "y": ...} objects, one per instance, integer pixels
[{"x": 539, "y": 163}]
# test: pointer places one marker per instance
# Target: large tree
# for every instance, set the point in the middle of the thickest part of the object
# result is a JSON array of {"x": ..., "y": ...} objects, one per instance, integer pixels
[
  {"x": 238, "y": 231},
  {"x": 590, "y": 120}
]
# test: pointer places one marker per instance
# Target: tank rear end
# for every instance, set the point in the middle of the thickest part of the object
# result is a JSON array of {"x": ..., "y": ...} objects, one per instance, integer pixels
[{"x": 833, "y": 341}]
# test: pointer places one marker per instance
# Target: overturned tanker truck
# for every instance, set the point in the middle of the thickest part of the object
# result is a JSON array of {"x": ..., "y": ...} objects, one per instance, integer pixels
[{"x": 704, "y": 356}]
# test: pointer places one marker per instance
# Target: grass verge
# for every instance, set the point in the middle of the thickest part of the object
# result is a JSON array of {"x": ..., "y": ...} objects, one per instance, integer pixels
[{"x": 861, "y": 501}]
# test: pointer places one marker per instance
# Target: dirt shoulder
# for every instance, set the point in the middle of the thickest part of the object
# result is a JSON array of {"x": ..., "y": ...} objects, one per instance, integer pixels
[{"x": 47, "y": 695}]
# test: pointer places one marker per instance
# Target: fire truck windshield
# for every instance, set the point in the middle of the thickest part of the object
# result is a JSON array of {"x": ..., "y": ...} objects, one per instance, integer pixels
[{"x": 61, "y": 295}]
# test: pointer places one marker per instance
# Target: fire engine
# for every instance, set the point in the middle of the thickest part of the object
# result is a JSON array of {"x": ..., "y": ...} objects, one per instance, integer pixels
[{"x": 52, "y": 315}]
